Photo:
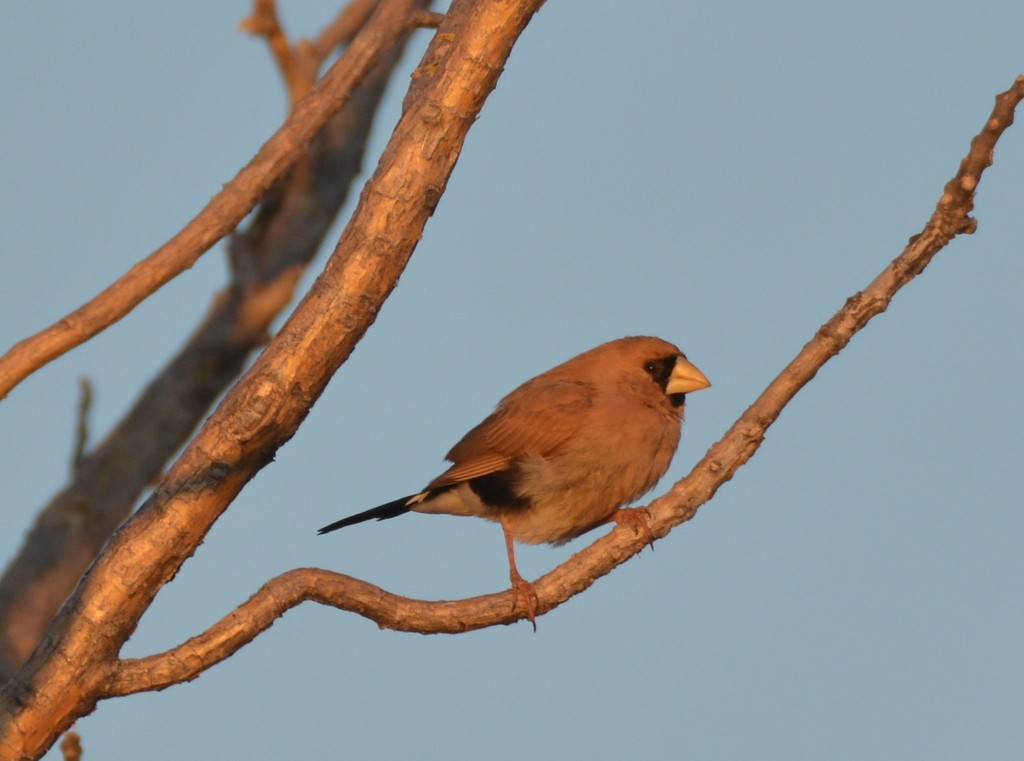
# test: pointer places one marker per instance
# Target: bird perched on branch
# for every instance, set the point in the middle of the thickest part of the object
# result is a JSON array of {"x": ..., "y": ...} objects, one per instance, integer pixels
[{"x": 564, "y": 451}]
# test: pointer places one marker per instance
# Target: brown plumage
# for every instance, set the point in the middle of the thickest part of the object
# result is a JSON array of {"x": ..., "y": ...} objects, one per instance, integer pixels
[{"x": 564, "y": 451}]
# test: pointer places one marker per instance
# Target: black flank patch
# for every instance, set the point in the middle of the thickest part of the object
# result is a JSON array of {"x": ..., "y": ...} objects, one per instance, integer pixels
[{"x": 498, "y": 490}]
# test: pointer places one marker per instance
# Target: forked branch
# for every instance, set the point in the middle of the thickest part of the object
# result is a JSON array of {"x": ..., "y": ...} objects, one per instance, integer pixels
[{"x": 300, "y": 63}]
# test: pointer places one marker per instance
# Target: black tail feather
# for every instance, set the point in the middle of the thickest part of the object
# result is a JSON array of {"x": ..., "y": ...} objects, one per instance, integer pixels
[{"x": 381, "y": 512}]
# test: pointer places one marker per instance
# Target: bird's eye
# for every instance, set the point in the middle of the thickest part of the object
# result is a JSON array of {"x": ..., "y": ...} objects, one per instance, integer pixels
[{"x": 660, "y": 369}]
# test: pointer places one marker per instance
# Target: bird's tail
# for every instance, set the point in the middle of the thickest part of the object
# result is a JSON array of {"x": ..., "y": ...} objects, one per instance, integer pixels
[{"x": 381, "y": 512}]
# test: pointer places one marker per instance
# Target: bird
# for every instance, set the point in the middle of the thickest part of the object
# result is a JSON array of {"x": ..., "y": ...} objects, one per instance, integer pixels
[{"x": 563, "y": 452}]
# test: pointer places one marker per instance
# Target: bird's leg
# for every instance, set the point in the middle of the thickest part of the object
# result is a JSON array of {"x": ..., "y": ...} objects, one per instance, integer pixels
[
  {"x": 521, "y": 588},
  {"x": 637, "y": 517}
]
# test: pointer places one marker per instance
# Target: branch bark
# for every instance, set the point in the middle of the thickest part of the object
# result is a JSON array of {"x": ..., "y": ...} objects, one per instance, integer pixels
[
  {"x": 719, "y": 464},
  {"x": 66, "y": 674},
  {"x": 224, "y": 211}
]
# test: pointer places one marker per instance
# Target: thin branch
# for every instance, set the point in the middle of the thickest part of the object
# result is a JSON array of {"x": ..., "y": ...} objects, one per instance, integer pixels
[
  {"x": 81, "y": 423},
  {"x": 284, "y": 592},
  {"x": 223, "y": 212},
  {"x": 950, "y": 218},
  {"x": 300, "y": 64},
  {"x": 719, "y": 464},
  {"x": 427, "y": 19},
  {"x": 265, "y": 23},
  {"x": 339, "y": 32}
]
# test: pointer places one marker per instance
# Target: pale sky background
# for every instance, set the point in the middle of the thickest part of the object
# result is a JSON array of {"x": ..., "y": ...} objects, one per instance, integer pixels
[{"x": 722, "y": 175}]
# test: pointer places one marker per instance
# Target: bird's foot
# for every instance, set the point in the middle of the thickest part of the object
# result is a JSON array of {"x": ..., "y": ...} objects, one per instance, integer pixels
[
  {"x": 522, "y": 590},
  {"x": 639, "y": 518}
]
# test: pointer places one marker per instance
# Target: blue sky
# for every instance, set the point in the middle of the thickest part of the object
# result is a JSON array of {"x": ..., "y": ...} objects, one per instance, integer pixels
[{"x": 721, "y": 175}]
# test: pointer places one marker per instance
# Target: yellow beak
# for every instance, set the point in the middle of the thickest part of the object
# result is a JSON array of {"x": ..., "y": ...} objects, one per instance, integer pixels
[{"x": 685, "y": 378}]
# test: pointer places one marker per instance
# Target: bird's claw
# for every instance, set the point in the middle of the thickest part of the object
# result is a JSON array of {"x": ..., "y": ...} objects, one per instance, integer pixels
[
  {"x": 523, "y": 590},
  {"x": 639, "y": 518}
]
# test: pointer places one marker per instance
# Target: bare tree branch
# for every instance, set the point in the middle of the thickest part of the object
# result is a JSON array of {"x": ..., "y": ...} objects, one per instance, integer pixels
[
  {"x": 300, "y": 64},
  {"x": 81, "y": 427},
  {"x": 266, "y": 261},
  {"x": 66, "y": 674},
  {"x": 950, "y": 218},
  {"x": 224, "y": 211},
  {"x": 719, "y": 464},
  {"x": 280, "y": 594},
  {"x": 351, "y": 19},
  {"x": 427, "y": 19},
  {"x": 265, "y": 23}
]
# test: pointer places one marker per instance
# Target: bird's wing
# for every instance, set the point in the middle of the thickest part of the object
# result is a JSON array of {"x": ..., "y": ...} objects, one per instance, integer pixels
[
  {"x": 473, "y": 468},
  {"x": 535, "y": 419}
]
